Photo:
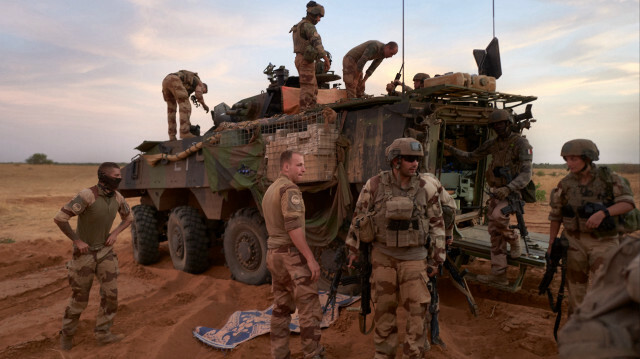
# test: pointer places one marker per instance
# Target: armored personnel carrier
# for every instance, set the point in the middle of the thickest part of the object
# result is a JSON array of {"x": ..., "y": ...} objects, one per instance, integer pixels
[{"x": 199, "y": 191}]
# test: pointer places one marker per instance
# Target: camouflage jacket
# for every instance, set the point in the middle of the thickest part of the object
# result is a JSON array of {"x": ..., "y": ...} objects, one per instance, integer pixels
[
  {"x": 305, "y": 34},
  {"x": 369, "y": 50},
  {"x": 283, "y": 210},
  {"x": 426, "y": 223},
  {"x": 190, "y": 80},
  {"x": 569, "y": 198},
  {"x": 513, "y": 152},
  {"x": 96, "y": 213}
]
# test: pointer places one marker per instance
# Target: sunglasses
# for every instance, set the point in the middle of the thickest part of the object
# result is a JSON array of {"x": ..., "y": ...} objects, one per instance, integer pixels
[{"x": 411, "y": 159}]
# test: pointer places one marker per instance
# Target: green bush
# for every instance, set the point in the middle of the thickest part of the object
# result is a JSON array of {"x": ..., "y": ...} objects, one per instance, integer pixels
[
  {"x": 553, "y": 174},
  {"x": 540, "y": 173},
  {"x": 541, "y": 195},
  {"x": 38, "y": 159}
]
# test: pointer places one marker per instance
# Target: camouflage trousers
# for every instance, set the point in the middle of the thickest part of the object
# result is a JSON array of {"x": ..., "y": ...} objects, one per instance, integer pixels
[
  {"x": 353, "y": 79},
  {"x": 585, "y": 255},
  {"x": 292, "y": 287},
  {"x": 399, "y": 283},
  {"x": 102, "y": 264},
  {"x": 176, "y": 95},
  {"x": 308, "y": 83},
  {"x": 501, "y": 234}
]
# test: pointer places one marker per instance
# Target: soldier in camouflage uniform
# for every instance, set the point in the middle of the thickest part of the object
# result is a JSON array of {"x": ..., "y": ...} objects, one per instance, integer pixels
[
  {"x": 511, "y": 151},
  {"x": 354, "y": 61},
  {"x": 405, "y": 211},
  {"x": 607, "y": 323},
  {"x": 591, "y": 231},
  {"x": 93, "y": 254},
  {"x": 418, "y": 83},
  {"x": 294, "y": 270},
  {"x": 176, "y": 88},
  {"x": 307, "y": 45}
]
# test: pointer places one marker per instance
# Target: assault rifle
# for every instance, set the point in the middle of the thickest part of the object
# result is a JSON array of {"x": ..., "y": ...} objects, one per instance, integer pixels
[
  {"x": 458, "y": 279},
  {"x": 365, "y": 284},
  {"x": 338, "y": 280},
  {"x": 434, "y": 325},
  {"x": 516, "y": 206},
  {"x": 558, "y": 257}
]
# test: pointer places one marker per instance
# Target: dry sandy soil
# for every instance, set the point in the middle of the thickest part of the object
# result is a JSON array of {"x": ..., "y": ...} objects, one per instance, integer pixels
[{"x": 160, "y": 306}]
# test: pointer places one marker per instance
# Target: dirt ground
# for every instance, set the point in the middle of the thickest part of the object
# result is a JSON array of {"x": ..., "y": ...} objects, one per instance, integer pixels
[{"x": 159, "y": 306}]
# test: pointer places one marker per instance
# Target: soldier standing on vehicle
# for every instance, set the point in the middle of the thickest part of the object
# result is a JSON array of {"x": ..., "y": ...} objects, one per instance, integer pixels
[
  {"x": 418, "y": 83},
  {"x": 511, "y": 152},
  {"x": 176, "y": 88},
  {"x": 405, "y": 210},
  {"x": 607, "y": 323},
  {"x": 354, "y": 61},
  {"x": 93, "y": 254},
  {"x": 587, "y": 202},
  {"x": 294, "y": 270},
  {"x": 307, "y": 45}
]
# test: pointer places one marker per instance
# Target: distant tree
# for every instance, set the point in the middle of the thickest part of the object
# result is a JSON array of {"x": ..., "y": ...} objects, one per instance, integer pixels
[{"x": 39, "y": 159}]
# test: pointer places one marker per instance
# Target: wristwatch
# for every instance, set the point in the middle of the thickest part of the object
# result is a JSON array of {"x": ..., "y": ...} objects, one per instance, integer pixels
[{"x": 606, "y": 213}]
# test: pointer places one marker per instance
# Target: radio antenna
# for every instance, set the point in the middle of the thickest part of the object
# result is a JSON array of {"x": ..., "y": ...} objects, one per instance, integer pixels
[{"x": 493, "y": 13}]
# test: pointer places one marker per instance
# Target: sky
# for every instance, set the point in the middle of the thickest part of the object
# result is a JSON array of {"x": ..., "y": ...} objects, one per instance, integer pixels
[{"x": 81, "y": 80}]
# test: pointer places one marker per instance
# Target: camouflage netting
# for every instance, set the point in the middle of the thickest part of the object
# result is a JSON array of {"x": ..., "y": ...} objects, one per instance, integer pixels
[{"x": 231, "y": 165}]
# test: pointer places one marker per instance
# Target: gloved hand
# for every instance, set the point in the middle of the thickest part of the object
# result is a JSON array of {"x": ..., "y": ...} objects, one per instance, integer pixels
[{"x": 502, "y": 192}]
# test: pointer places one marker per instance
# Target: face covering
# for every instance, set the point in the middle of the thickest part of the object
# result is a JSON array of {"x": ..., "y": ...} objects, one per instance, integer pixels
[{"x": 110, "y": 183}]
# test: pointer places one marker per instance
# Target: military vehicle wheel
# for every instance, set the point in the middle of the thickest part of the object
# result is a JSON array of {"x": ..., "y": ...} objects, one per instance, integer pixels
[
  {"x": 188, "y": 243},
  {"x": 144, "y": 234},
  {"x": 245, "y": 247}
]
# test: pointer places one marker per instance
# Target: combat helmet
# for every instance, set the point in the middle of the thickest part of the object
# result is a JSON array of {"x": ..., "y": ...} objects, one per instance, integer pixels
[
  {"x": 580, "y": 147},
  {"x": 499, "y": 116},
  {"x": 315, "y": 9},
  {"x": 406, "y": 146},
  {"x": 420, "y": 76}
]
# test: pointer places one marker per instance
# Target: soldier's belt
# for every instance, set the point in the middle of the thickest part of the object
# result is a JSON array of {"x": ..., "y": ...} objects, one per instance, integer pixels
[
  {"x": 402, "y": 225},
  {"x": 284, "y": 249}
]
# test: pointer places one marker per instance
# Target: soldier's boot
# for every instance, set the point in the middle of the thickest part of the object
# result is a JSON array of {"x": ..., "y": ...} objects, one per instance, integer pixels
[
  {"x": 108, "y": 338},
  {"x": 187, "y": 135},
  {"x": 66, "y": 342},
  {"x": 439, "y": 342},
  {"x": 427, "y": 346},
  {"x": 500, "y": 279},
  {"x": 515, "y": 250}
]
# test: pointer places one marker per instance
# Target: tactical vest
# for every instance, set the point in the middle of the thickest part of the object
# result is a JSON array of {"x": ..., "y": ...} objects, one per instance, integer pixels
[
  {"x": 299, "y": 43},
  {"x": 190, "y": 80},
  {"x": 579, "y": 202},
  {"x": 400, "y": 216},
  {"x": 510, "y": 154}
]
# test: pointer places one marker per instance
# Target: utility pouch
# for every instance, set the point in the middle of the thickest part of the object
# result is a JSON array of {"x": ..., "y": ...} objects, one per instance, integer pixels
[
  {"x": 310, "y": 53},
  {"x": 365, "y": 229},
  {"x": 399, "y": 208}
]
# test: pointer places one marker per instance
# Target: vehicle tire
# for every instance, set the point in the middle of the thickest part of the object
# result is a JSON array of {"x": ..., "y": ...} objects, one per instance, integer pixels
[
  {"x": 187, "y": 239},
  {"x": 144, "y": 234},
  {"x": 245, "y": 247}
]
